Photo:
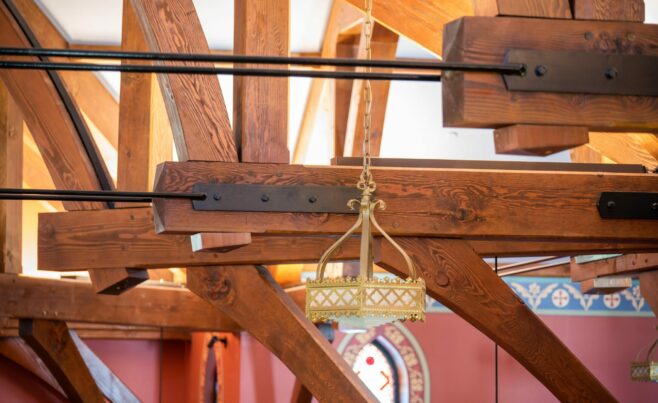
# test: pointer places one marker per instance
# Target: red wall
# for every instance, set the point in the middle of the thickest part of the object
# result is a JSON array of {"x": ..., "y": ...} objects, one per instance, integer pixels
[{"x": 460, "y": 362}]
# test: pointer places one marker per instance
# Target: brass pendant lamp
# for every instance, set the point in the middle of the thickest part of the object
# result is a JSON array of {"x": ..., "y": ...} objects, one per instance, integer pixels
[{"x": 365, "y": 301}]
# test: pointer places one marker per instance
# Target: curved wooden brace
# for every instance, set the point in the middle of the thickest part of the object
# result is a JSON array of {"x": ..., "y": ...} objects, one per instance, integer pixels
[
  {"x": 458, "y": 278},
  {"x": 251, "y": 297}
]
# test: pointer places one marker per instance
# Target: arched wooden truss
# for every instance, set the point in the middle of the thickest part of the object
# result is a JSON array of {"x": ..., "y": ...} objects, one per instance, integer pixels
[{"x": 471, "y": 207}]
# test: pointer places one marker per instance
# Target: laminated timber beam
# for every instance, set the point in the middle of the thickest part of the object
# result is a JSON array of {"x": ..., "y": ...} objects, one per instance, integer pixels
[
  {"x": 53, "y": 344},
  {"x": 610, "y": 10},
  {"x": 418, "y": 21},
  {"x": 126, "y": 238},
  {"x": 421, "y": 202},
  {"x": 458, "y": 278},
  {"x": 251, "y": 297},
  {"x": 622, "y": 265},
  {"x": 523, "y": 8},
  {"x": 482, "y": 100},
  {"x": 167, "y": 308}
]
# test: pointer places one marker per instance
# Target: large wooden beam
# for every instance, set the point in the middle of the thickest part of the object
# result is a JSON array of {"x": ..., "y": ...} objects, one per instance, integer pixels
[
  {"x": 538, "y": 140},
  {"x": 625, "y": 148},
  {"x": 252, "y": 298},
  {"x": 482, "y": 100},
  {"x": 202, "y": 130},
  {"x": 169, "y": 308},
  {"x": 93, "y": 98},
  {"x": 341, "y": 18},
  {"x": 457, "y": 277},
  {"x": 626, "y": 264},
  {"x": 418, "y": 21},
  {"x": 384, "y": 46},
  {"x": 11, "y": 176},
  {"x": 53, "y": 344},
  {"x": 523, "y": 8},
  {"x": 611, "y": 10},
  {"x": 110, "y": 385},
  {"x": 421, "y": 202},
  {"x": 260, "y": 104},
  {"x": 125, "y": 238},
  {"x": 50, "y": 123}
]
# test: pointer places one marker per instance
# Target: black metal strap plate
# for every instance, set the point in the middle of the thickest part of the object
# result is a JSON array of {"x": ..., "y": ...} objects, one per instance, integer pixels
[
  {"x": 292, "y": 199},
  {"x": 584, "y": 73},
  {"x": 628, "y": 205}
]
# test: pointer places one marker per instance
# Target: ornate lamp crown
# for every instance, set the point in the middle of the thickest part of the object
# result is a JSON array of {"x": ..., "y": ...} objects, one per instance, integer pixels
[
  {"x": 365, "y": 300},
  {"x": 647, "y": 370}
]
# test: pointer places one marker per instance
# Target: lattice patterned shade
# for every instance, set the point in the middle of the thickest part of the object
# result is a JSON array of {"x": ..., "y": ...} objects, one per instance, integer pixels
[{"x": 644, "y": 371}]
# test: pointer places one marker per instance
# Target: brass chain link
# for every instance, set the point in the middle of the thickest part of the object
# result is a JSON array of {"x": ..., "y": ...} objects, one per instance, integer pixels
[{"x": 366, "y": 182}]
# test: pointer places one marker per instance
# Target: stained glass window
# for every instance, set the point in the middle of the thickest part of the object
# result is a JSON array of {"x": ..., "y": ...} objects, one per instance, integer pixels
[{"x": 375, "y": 367}]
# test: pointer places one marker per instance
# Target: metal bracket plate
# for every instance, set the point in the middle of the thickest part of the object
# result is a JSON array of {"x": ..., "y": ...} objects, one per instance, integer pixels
[
  {"x": 584, "y": 73},
  {"x": 290, "y": 199},
  {"x": 628, "y": 205}
]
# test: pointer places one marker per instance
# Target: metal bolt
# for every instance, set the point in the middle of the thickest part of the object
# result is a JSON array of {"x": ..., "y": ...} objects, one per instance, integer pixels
[
  {"x": 588, "y": 36},
  {"x": 654, "y": 206},
  {"x": 611, "y": 73},
  {"x": 312, "y": 199},
  {"x": 264, "y": 198},
  {"x": 611, "y": 204},
  {"x": 541, "y": 70},
  {"x": 217, "y": 196}
]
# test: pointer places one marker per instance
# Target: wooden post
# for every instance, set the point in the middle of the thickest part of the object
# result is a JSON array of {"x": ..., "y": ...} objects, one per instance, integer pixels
[
  {"x": 260, "y": 104},
  {"x": 11, "y": 176},
  {"x": 52, "y": 342},
  {"x": 252, "y": 298},
  {"x": 458, "y": 278}
]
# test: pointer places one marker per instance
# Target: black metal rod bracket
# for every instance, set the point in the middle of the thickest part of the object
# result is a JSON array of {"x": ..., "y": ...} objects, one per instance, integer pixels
[{"x": 628, "y": 205}]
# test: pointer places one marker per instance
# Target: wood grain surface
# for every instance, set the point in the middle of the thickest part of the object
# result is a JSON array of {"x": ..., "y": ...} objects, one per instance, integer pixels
[
  {"x": 538, "y": 140},
  {"x": 523, "y": 8},
  {"x": 610, "y": 10}
]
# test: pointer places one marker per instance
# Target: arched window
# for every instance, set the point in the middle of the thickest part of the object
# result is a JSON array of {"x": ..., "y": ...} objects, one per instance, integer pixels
[{"x": 390, "y": 362}]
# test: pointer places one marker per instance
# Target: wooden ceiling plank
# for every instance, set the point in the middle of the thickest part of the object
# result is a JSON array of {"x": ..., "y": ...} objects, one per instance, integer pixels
[
  {"x": 418, "y": 21},
  {"x": 260, "y": 104},
  {"x": 110, "y": 385},
  {"x": 384, "y": 46},
  {"x": 482, "y": 100},
  {"x": 201, "y": 129},
  {"x": 341, "y": 18},
  {"x": 89, "y": 92},
  {"x": 252, "y": 298},
  {"x": 523, "y": 8},
  {"x": 11, "y": 176},
  {"x": 126, "y": 238},
  {"x": 158, "y": 307},
  {"x": 48, "y": 120},
  {"x": 458, "y": 278},
  {"x": 609, "y": 10},
  {"x": 52, "y": 342},
  {"x": 626, "y": 264},
  {"x": 421, "y": 202},
  {"x": 538, "y": 140}
]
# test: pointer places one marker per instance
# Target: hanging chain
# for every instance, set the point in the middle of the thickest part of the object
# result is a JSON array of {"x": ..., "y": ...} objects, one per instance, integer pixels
[{"x": 366, "y": 182}]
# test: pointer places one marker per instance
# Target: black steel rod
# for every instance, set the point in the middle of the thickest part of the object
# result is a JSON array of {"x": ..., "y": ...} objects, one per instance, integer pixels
[
  {"x": 93, "y": 195},
  {"x": 508, "y": 68},
  {"x": 260, "y": 72}
]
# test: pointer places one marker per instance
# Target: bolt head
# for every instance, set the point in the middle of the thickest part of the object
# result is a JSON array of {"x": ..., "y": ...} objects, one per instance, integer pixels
[
  {"x": 611, "y": 73},
  {"x": 312, "y": 199},
  {"x": 611, "y": 204},
  {"x": 654, "y": 206},
  {"x": 217, "y": 196},
  {"x": 541, "y": 70},
  {"x": 265, "y": 198}
]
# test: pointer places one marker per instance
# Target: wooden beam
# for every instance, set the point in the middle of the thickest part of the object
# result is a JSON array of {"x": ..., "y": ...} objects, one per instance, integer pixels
[
  {"x": 52, "y": 342},
  {"x": 384, "y": 46},
  {"x": 523, "y": 8},
  {"x": 95, "y": 100},
  {"x": 624, "y": 148},
  {"x": 610, "y": 10},
  {"x": 300, "y": 394},
  {"x": 421, "y": 202},
  {"x": 48, "y": 120},
  {"x": 649, "y": 289},
  {"x": 341, "y": 18},
  {"x": 626, "y": 264},
  {"x": 108, "y": 332},
  {"x": 347, "y": 46},
  {"x": 252, "y": 298},
  {"x": 491, "y": 248},
  {"x": 11, "y": 176},
  {"x": 482, "y": 100},
  {"x": 116, "y": 281},
  {"x": 538, "y": 140},
  {"x": 605, "y": 285},
  {"x": 109, "y": 384},
  {"x": 418, "y": 21},
  {"x": 15, "y": 349},
  {"x": 213, "y": 242},
  {"x": 125, "y": 238},
  {"x": 260, "y": 104},
  {"x": 160, "y": 307},
  {"x": 457, "y": 277},
  {"x": 201, "y": 129}
]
